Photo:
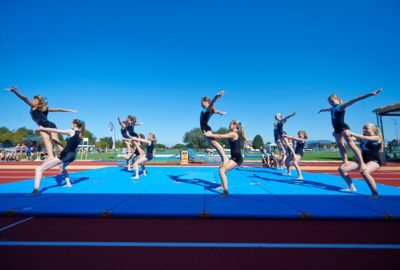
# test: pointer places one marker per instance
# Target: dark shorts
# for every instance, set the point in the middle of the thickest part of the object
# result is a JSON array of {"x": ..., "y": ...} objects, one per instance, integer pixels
[
  {"x": 137, "y": 153},
  {"x": 366, "y": 160},
  {"x": 67, "y": 156},
  {"x": 134, "y": 134},
  {"x": 47, "y": 124},
  {"x": 341, "y": 128},
  {"x": 149, "y": 157},
  {"x": 238, "y": 158},
  {"x": 126, "y": 137},
  {"x": 17, "y": 152},
  {"x": 205, "y": 128}
]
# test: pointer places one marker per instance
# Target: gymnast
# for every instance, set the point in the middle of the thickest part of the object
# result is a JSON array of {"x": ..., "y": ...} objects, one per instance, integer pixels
[
  {"x": 131, "y": 123},
  {"x": 371, "y": 143},
  {"x": 150, "y": 142},
  {"x": 265, "y": 158},
  {"x": 68, "y": 154},
  {"x": 300, "y": 142},
  {"x": 285, "y": 143},
  {"x": 39, "y": 111},
  {"x": 338, "y": 111},
  {"x": 205, "y": 115},
  {"x": 236, "y": 131},
  {"x": 127, "y": 140}
]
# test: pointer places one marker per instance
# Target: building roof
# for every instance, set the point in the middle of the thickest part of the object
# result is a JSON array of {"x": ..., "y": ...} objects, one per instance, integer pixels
[{"x": 393, "y": 110}]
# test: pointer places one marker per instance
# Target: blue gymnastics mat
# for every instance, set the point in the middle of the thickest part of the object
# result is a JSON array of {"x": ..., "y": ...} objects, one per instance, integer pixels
[{"x": 189, "y": 192}]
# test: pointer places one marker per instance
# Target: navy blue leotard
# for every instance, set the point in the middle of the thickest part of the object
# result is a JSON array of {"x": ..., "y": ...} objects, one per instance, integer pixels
[
  {"x": 204, "y": 118},
  {"x": 69, "y": 153},
  {"x": 150, "y": 149},
  {"x": 40, "y": 118},
  {"x": 124, "y": 133},
  {"x": 279, "y": 129},
  {"x": 236, "y": 154},
  {"x": 370, "y": 151},
  {"x": 338, "y": 123},
  {"x": 276, "y": 137},
  {"x": 299, "y": 148},
  {"x": 131, "y": 130}
]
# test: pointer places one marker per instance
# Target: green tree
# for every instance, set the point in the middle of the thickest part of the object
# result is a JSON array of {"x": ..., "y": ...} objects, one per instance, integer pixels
[
  {"x": 223, "y": 143},
  {"x": 195, "y": 139},
  {"x": 258, "y": 142},
  {"x": 179, "y": 146},
  {"x": 6, "y": 139},
  {"x": 108, "y": 140},
  {"x": 90, "y": 135},
  {"x": 101, "y": 144},
  {"x": 158, "y": 145},
  {"x": 119, "y": 144},
  {"x": 3, "y": 130}
]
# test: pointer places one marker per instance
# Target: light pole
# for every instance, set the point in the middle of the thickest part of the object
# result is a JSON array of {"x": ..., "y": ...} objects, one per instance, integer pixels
[{"x": 397, "y": 136}]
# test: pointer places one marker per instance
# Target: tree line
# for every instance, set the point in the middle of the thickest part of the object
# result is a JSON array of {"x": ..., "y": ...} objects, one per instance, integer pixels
[{"x": 193, "y": 139}]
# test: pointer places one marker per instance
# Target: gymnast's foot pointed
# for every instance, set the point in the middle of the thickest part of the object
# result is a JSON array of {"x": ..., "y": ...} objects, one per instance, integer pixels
[
  {"x": 225, "y": 194},
  {"x": 135, "y": 177},
  {"x": 220, "y": 187},
  {"x": 144, "y": 173},
  {"x": 300, "y": 178},
  {"x": 67, "y": 185},
  {"x": 34, "y": 193},
  {"x": 374, "y": 196}
]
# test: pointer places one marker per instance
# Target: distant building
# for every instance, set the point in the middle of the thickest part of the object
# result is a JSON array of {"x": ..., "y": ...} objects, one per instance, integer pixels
[
  {"x": 248, "y": 146},
  {"x": 394, "y": 145}
]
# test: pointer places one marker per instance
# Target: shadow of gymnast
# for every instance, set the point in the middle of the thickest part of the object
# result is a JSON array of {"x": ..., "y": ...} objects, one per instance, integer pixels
[
  {"x": 306, "y": 183},
  {"x": 197, "y": 182},
  {"x": 59, "y": 179}
]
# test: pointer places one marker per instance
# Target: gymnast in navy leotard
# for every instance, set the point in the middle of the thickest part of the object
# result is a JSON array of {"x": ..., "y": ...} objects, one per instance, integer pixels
[
  {"x": 371, "y": 145},
  {"x": 338, "y": 110},
  {"x": 285, "y": 147},
  {"x": 130, "y": 125},
  {"x": 265, "y": 158},
  {"x": 66, "y": 156},
  {"x": 208, "y": 110},
  {"x": 150, "y": 143},
  {"x": 300, "y": 143},
  {"x": 39, "y": 111},
  {"x": 236, "y": 129},
  {"x": 127, "y": 140}
]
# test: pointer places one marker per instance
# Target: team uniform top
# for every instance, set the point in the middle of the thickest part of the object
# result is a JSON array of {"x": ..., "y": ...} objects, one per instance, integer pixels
[
  {"x": 370, "y": 151},
  {"x": 265, "y": 159},
  {"x": 69, "y": 152},
  {"x": 204, "y": 118},
  {"x": 131, "y": 130},
  {"x": 276, "y": 137},
  {"x": 17, "y": 149},
  {"x": 150, "y": 149},
  {"x": 124, "y": 133},
  {"x": 279, "y": 128},
  {"x": 299, "y": 148},
  {"x": 236, "y": 154},
  {"x": 338, "y": 123},
  {"x": 40, "y": 118}
]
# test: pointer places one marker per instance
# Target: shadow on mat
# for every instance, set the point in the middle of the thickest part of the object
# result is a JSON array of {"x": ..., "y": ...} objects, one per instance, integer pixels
[
  {"x": 60, "y": 181},
  {"x": 303, "y": 182},
  {"x": 197, "y": 182}
]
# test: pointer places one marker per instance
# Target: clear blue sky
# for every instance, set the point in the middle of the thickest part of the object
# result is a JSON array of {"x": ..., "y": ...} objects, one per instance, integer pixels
[{"x": 157, "y": 59}]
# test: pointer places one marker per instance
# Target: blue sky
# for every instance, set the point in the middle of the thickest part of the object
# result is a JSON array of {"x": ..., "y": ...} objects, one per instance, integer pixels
[{"x": 157, "y": 59}]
